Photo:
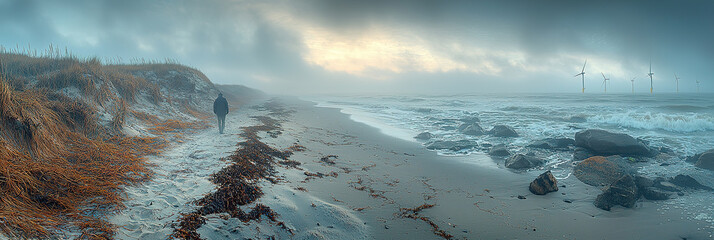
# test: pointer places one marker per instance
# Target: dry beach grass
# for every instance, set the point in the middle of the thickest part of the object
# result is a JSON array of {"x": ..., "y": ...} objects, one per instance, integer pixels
[{"x": 60, "y": 167}]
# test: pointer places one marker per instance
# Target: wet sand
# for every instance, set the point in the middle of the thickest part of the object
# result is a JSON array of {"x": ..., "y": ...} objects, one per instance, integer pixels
[{"x": 474, "y": 201}]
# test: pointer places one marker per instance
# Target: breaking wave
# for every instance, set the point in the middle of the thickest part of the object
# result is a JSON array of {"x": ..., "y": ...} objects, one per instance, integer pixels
[{"x": 658, "y": 121}]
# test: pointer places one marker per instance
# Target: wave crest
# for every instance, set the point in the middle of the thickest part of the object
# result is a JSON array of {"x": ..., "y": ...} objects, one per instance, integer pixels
[{"x": 662, "y": 121}]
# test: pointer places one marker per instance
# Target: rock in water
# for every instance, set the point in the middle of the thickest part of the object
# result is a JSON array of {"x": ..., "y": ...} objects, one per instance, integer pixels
[
  {"x": 622, "y": 192},
  {"x": 520, "y": 161},
  {"x": 665, "y": 184},
  {"x": 424, "y": 136},
  {"x": 543, "y": 184},
  {"x": 695, "y": 158},
  {"x": 503, "y": 131},
  {"x": 646, "y": 188},
  {"x": 706, "y": 160},
  {"x": 499, "y": 150},
  {"x": 651, "y": 193},
  {"x": 602, "y": 142},
  {"x": 601, "y": 171},
  {"x": 688, "y": 182},
  {"x": 472, "y": 129},
  {"x": 643, "y": 182},
  {"x": 581, "y": 153},
  {"x": 553, "y": 143}
]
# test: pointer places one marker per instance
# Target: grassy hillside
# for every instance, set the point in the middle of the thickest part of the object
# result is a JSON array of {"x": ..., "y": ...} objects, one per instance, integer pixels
[{"x": 73, "y": 132}]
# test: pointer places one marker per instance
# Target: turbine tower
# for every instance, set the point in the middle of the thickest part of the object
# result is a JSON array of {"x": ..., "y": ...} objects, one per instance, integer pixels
[
  {"x": 650, "y": 74},
  {"x": 604, "y": 82},
  {"x": 677, "y": 80},
  {"x": 633, "y": 84},
  {"x": 697, "y": 85},
  {"x": 582, "y": 73}
]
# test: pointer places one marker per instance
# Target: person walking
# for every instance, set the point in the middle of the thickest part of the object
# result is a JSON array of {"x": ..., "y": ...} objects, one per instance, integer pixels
[{"x": 220, "y": 108}]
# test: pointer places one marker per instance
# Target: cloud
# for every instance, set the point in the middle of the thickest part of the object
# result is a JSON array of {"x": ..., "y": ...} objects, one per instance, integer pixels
[{"x": 411, "y": 46}]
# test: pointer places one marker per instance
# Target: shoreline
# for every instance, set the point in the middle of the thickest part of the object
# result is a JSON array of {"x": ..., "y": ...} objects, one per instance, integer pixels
[
  {"x": 354, "y": 182},
  {"x": 471, "y": 201}
]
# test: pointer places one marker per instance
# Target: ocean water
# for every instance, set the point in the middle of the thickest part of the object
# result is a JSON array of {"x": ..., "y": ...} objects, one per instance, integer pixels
[{"x": 683, "y": 123}]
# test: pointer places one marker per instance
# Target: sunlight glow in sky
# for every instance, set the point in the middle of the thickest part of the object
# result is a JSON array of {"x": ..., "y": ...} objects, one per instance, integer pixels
[{"x": 419, "y": 46}]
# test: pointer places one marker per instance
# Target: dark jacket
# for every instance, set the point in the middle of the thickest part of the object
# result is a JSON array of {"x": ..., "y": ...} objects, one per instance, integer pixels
[{"x": 220, "y": 106}]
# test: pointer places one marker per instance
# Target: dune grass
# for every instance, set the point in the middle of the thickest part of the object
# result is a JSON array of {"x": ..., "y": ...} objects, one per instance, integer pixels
[
  {"x": 60, "y": 169},
  {"x": 57, "y": 168}
]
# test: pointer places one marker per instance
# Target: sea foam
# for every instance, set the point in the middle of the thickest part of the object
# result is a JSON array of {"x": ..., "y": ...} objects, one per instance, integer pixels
[{"x": 691, "y": 122}]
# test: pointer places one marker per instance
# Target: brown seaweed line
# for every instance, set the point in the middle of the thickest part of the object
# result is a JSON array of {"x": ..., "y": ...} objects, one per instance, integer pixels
[{"x": 237, "y": 183}]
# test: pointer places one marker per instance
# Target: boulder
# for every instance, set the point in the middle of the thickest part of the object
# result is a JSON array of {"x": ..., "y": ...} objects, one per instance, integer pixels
[
  {"x": 602, "y": 171},
  {"x": 473, "y": 129},
  {"x": 581, "y": 153},
  {"x": 451, "y": 145},
  {"x": 643, "y": 182},
  {"x": 520, "y": 161},
  {"x": 424, "y": 136},
  {"x": 543, "y": 184},
  {"x": 622, "y": 192},
  {"x": 652, "y": 193},
  {"x": 688, "y": 182},
  {"x": 664, "y": 184},
  {"x": 646, "y": 188},
  {"x": 499, "y": 150},
  {"x": 605, "y": 143},
  {"x": 553, "y": 143},
  {"x": 502, "y": 131},
  {"x": 706, "y": 160},
  {"x": 693, "y": 159}
]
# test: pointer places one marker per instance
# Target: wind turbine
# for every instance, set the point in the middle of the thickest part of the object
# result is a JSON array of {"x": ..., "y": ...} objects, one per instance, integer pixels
[
  {"x": 697, "y": 85},
  {"x": 604, "y": 82},
  {"x": 633, "y": 84},
  {"x": 582, "y": 73},
  {"x": 677, "y": 80},
  {"x": 650, "y": 74}
]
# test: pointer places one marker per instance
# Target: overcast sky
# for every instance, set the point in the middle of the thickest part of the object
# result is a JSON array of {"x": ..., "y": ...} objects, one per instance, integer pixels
[{"x": 380, "y": 46}]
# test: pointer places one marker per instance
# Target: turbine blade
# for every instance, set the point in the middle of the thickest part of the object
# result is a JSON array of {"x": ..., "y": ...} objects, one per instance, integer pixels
[
  {"x": 603, "y": 76},
  {"x": 586, "y": 63}
]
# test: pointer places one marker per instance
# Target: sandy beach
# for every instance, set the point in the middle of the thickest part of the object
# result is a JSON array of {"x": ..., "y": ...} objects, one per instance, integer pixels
[
  {"x": 354, "y": 182},
  {"x": 471, "y": 201}
]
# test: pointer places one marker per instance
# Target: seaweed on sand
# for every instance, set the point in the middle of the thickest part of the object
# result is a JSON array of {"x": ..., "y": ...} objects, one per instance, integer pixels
[
  {"x": 238, "y": 182},
  {"x": 413, "y": 213},
  {"x": 329, "y": 159}
]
